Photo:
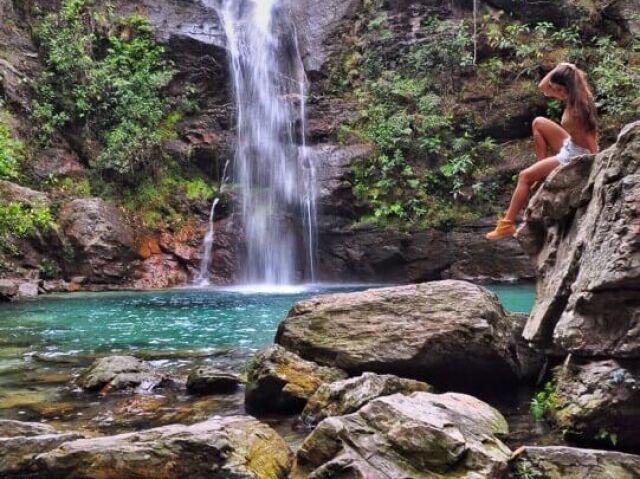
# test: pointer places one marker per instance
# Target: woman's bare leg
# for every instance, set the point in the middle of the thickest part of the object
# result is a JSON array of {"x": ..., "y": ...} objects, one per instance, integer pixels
[
  {"x": 537, "y": 172},
  {"x": 547, "y": 135}
]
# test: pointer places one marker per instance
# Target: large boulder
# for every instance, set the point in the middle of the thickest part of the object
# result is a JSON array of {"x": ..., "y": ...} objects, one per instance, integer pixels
[
  {"x": 103, "y": 243},
  {"x": 21, "y": 441},
  {"x": 349, "y": 395},
  {"x": 278, "y": 380},
  {"x": 219, "y": 448},
  {"x": 599, "y": 402},
  {"x": 572, "y": 463},
  {"x": 581, "y": 229},
  {"x": 449, "y": 333},
  {"x": 8, "y": 289},
  {"x": 120, "y": 372},
  {"x": 420, "y": 435},
  {"x": 21, "y": 285}
]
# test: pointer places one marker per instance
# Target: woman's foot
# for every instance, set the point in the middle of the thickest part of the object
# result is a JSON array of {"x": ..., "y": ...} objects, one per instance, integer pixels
[{"x": 503, "y": 229}]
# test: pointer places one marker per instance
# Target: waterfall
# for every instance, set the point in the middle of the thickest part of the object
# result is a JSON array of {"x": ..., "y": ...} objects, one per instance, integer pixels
[
  {"x": 205, "y": 263},
  {"x": 273, "y": 174}
]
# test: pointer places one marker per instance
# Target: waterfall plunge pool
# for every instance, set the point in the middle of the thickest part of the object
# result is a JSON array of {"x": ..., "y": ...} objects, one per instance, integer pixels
[
  {"x": 47, "y": 342},
  {"x": 169, "y": 320}
]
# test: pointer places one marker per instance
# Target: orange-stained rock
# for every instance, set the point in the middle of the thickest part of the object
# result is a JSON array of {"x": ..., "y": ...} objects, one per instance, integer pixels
[
  {"x": 149, "y": 246},
  {"x": 159, "y": 271},
  {"x": 74, "y": 287}
]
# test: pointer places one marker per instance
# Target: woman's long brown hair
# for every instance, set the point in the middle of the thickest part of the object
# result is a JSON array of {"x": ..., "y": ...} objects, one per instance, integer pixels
[{"x": 580, "y": 96}]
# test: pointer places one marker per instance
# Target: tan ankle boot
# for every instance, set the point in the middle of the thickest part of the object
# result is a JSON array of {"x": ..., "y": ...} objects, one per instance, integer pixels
[{"x": 503, "y": 229}]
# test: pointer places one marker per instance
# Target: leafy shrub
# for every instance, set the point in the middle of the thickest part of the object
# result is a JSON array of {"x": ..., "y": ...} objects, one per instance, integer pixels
[
  {"x": 198, "y": 189},
  {"x": 11, "y": 153},
  {"x": 446, "y": 53},
  {"x": 164, "y": 201},
  {"x": 544, "y": 401},
  {"x": 104, "y": 78},
  {"x": 613, "y": 68},
  {"x": 615, "y": 74},
  {"x": 20, "y": 221},
  {"x": 49, "y": 269},
  {"x": 407, "y": 123}
]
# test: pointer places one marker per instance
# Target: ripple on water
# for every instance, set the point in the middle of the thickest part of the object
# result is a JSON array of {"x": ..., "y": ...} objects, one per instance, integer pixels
[{"x": 48, "y": 342}]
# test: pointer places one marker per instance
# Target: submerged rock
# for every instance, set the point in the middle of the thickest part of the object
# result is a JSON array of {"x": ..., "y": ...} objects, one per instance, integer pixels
[
  {"x": 581, "y": 229},
  {"x": 120, "y": 372},
  {"x": 420, "y": 435},
  {"x": 210, "y": 380},
  {"x": 449, "y": 333},
  {"x": 599, "y": 402},
  {"x": 572, "y": 463},
  {"x": 278, "y": 380},
  {"x": 236, "y": 446},
  {"x": 349, "y": 395},
  {"x": 10, "y": 428}
]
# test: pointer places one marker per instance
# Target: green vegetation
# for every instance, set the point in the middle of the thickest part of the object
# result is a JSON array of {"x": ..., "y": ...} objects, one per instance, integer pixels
[
  {"x": 426, "y": 165},
  {"x": 49, "y": 269},
  {"x": 11, "y": 152},
  {"x": 16, "y": 220},
  {"x": 103, "y": 82},
  {"x": 430, "y": 166},
  {"x": 544, "y": 401},
  {"x": 606, "y": 436},
  {"x": 613, "y": 68},
  {"x": 525, "y": 470},
  {"x": 104, "y": 89},
  {"x": 164, "y": 201},
  {"x": 20, "y": 221}
]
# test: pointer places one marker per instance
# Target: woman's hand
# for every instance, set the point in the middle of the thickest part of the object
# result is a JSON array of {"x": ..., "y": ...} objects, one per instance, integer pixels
[
  {"x": 545, "y": 85},
  {"x": 548, "y": 88}
]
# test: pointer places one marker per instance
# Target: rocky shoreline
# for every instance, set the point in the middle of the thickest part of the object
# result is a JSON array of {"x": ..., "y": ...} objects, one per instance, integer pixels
[{"x": 376, "y": 375}]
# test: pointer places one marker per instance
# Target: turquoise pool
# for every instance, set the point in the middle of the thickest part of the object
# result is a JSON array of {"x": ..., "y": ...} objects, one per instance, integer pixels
[{"x": 177, "y": 319}]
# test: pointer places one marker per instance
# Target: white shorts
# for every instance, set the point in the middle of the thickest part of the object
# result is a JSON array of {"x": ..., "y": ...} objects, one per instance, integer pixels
[{"x": 569, "y": 151}]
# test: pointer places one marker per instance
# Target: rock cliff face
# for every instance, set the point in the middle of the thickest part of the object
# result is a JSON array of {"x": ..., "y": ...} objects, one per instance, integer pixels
[
  {"x": 103, "y": 243},
  {"x": 582, "y": 230},
  {"x": 192, "y": 35}
]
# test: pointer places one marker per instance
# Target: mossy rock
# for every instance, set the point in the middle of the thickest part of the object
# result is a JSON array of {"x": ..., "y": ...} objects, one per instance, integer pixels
[{"x": 278, "y": 380}]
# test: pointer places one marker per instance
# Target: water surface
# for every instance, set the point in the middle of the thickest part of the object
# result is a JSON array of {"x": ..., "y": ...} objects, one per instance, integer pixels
[{"x": 46, "y": 343}]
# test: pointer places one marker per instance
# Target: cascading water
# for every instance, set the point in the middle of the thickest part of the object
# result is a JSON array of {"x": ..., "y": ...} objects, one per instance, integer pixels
[
  {"x": 276, "y": 180},
  {"x": 205, "y": 264},
  {"x": 203, "y": 278}
]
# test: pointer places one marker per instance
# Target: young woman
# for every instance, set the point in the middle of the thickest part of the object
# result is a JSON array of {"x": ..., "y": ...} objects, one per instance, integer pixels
[{"x": 576, "y": 135}]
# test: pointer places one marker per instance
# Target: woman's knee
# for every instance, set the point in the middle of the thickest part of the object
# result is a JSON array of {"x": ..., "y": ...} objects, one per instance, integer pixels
[
  {"x": 526, "y": 177},
  {"x": 538, "y": 123}
]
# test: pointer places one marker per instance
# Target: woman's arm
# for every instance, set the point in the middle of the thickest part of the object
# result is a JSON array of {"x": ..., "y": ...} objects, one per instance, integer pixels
[
  {"x": 545, "y": 85},
  {"x": 549, "y": 88},
  {"x": 593, "y": 144}
]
